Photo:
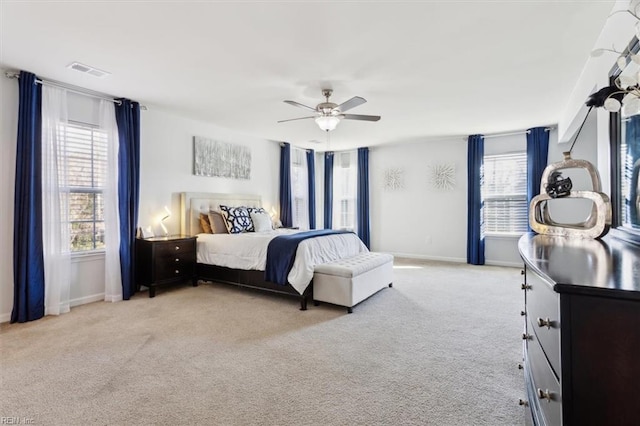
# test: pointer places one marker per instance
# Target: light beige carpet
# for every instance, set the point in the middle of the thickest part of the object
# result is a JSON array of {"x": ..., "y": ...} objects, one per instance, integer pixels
[{"x": 439, "y": 348}]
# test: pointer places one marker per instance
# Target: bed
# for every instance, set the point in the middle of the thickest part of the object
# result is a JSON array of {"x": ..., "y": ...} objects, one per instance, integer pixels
[{"x": 240, "y": 258}]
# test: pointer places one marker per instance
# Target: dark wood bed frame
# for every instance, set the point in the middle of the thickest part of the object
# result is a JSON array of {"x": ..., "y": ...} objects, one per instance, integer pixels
[
  {"x": 192, "y": 203},
  {"x": 251, "y": 279}
]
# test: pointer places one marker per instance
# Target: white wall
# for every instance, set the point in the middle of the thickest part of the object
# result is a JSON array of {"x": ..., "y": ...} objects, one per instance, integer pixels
[
  {"x": 166, "y": 166},
  {"x": 165, "y": 171},
  {"x": 419, "y": 221}
]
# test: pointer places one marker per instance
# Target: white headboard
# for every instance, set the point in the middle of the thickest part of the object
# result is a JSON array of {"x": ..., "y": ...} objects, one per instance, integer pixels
[{"x": 194, "y": 203}]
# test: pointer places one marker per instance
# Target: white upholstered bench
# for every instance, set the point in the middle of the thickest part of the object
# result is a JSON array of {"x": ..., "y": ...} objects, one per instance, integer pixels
[{"x": 347, "y": 282}]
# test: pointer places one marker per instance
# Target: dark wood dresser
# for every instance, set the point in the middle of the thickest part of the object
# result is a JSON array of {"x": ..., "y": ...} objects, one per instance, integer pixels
[
  {"x": 165, "y": 260},
  {"x": 581, "y": 335}
]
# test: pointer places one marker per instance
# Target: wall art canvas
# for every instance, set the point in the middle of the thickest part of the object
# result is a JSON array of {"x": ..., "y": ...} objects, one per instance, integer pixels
[{"x": 220, "y": 159}]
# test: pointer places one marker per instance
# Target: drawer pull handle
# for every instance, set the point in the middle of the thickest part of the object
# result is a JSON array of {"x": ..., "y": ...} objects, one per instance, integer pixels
[
  {"x": 522, "y": 272},
  {"x": 520, "y": 366},
  {"x": 177, "y": 247},
  {"x": 523, "y": 402},
  {"x": 545, "y": 323},
  {"x": 545, "y": 394},
  {"x": 522, "y": 313},
  {"x": 177, "y": 260},
  {"x": 526, "y": 336},
  {"x": 177, "y": 271},
  {"x": 524, "y": 286}
]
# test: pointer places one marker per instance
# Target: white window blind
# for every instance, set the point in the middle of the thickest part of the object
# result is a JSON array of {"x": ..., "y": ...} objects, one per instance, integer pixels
[
  {"x": 504, "y": 193},
  {"x": 84, "y": 150}
]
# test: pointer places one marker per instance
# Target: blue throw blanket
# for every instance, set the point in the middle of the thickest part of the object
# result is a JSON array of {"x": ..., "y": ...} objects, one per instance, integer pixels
[{"x": 281, "y": 253}]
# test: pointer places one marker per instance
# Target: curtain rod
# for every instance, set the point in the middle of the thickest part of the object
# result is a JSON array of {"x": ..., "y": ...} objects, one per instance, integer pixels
[
  {"x": 293, "y": 146},
  {"x": 522, "y": 132},
  {"x": 74, "y": 89}
]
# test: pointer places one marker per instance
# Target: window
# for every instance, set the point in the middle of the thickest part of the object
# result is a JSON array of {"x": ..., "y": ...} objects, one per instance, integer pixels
[
  {"x": 299, "y": 188},
  {"x": 84, "y": 155},
  {"x": 504, "y": 192},
  {"x": 345, "y": 179}
]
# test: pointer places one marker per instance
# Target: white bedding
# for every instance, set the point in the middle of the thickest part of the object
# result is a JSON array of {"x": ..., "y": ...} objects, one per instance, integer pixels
[{"x": 249, "y": 251}]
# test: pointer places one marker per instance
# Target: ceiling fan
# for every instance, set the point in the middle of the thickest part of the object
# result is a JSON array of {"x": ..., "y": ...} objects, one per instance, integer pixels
[{"x": 328, "y": 115}]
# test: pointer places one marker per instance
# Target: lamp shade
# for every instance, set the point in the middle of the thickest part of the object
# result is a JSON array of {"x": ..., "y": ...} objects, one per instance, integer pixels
[
  {"x": 327, "y": 122},
  {"x": 612, "y": 105},
  {"x": 630, "y": 105}
]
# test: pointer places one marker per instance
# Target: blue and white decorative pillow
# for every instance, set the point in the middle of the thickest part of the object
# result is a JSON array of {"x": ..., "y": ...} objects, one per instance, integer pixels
[
  {"x": 237, "y": 219},
  {"x": 255, "y": 210}
]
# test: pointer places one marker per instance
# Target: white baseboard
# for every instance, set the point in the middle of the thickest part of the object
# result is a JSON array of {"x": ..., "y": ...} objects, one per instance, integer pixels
[
  {"x": 499, "y": 263},
  {"x": 455, "y": 259},
  {"x": 427, "y": 257},
  {"x": 86, "y": 299},
  {"x": 6, "y": 317}
]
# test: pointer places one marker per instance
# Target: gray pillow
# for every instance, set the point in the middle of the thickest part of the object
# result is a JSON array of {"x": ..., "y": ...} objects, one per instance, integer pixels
[
  {"x": 261, "y": 222},
  {"x": 217, "y": 222}
]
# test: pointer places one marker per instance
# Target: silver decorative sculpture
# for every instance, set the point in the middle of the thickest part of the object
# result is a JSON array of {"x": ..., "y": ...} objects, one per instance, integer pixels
[
  {"x": 553, "y": 188},
  {"x": 394, "y": 179},
  {"x": 442, "y": 176}
]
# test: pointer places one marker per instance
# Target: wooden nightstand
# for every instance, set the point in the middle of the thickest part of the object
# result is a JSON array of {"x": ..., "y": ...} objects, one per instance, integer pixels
[{"x": 165, "y": 260}]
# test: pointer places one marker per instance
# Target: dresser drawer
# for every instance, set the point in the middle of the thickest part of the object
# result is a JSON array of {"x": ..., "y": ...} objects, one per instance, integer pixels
[
  {"x": 546, "y": 388},
  {"x": 543, "y": 312}
]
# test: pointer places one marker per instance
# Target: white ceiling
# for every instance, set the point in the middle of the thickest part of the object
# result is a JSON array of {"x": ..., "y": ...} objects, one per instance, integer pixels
[{"x": 431, "y": 69}]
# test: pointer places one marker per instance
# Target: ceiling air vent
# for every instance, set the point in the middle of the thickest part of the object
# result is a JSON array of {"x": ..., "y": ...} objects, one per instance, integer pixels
[{"x": 88, "y": 69}]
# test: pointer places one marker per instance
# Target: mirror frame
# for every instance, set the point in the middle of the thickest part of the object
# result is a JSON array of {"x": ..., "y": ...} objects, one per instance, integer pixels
[{"x": 618, "y": 229}]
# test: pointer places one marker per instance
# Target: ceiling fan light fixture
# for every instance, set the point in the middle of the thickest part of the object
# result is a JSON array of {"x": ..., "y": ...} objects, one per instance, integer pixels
[
  {"x": 327, "y": 122},
  {"x": 328, "y": 114}
]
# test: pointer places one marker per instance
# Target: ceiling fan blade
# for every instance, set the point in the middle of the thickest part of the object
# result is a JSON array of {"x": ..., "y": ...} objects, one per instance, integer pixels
[
  {"x": 351, "y": 103},
  {"x": 360, "y": 117},
  {"x": 293, "y": 119},
  {"x": 294, "y": 103}
]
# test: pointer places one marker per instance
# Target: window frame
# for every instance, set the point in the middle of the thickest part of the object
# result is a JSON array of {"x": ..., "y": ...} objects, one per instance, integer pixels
[
  {"x": 505, "y": 197},
  {"x": 346, "y": 197},
  {"x": 94, "y": 190},
  {"x": 299, "y": 199}
]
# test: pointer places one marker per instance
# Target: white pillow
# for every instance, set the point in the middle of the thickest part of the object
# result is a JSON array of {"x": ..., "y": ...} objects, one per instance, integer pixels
[{"x": 261, "y": 222}]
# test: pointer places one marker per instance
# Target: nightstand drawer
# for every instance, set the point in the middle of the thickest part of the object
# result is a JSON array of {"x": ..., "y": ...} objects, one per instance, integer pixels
[
  {"x": 178, "y": 268},
  {"x": 171, "y": 249},
  {"x": 174, "y": 258}
]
